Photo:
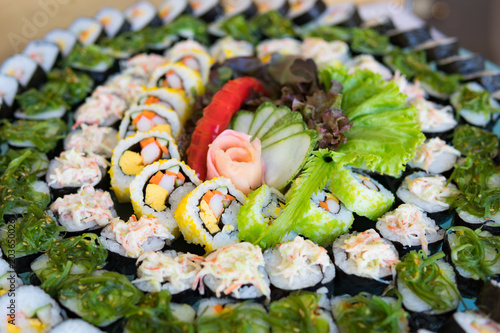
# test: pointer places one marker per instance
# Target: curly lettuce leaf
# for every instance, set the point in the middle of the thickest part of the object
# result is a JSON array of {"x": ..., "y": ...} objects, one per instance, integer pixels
[
  {"x": 369, "y": 41},
  {"x": 472, "y": 140}
]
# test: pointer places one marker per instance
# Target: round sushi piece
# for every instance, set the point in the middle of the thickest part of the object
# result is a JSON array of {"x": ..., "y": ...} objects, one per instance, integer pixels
[
  {"x": 325, "y": 53},
  {"x": 360, "y": 193},
  {"x": 169, "y": 98},
  {"x": 434, "y": 119},
  {"x": 135, "y": 237},
  {"x": 487, "y": 301},
  {"x": 8, "y": 91},
  {"x": 75, "y": 326},
  {"x": 159, "y": 188},
  {"x": 367, "y": 61},
  {"x": 85, "y": 210},
  {"x": 207, "y": 215},
  {"x": 150, "y": 117},
  {"x": 169, "y": 10},
  {"x": 246, "y": 8},
  {"x": 72, "y": 169},
  {"x": 25, "y": 70},
  {"x": 462, "y": 64},
  {"x": 381, "y": 24},
  {"x": 9, "y": 280},
  {"x": 281, "y": 6},
  {"x": 343, "y": 14},
  {"x": 87, "y": 30},
  {"x": 65, "y": 39},
  {"x": 490, "y": 80},
  {"x": 470, "y": 321},
  {"x": 364, "y": 262},
  {"x": 113, "y": 21},
  {"x": 435, "y": 156},
  {"x": 248, "y": 281},
  {"x": 37, "y": 186},
  {"x": 178, "y": 76},
  {"x": 127, "y": 85},
  {"x": 98, "y": 65},
  {"x": 92, "y": 139},
  {"x": 132, "y": 154},
  {"x": 298, "y": 264},
  {"x": 305, "y": 11},
  {"x": 284, "y": 46},
  {"x": 45, "y": 53},
  {"x": 193, "y": 55},
  {"x": 142, "y": 65},
  {"x": 464, "y": 100},
  {"x": 32, "y": 311},
  {"x": 411, "y": 37},
  {"x": 45, "y": 110},
  {"x": 474, "y": 222},
  {"x": 227, "y": 47},
  {"x": 142, "y": 14},
  {"x": 169, "y": 270},
  {"x": 409, "y": 228},
  {"x": 439, "y": 49},
  {"x": 207, "y": 10},
  {"x": 104, "y": 108}
]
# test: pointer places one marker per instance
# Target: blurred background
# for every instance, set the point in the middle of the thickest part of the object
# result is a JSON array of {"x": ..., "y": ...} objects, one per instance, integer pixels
[{"x": 475, "y": 23}]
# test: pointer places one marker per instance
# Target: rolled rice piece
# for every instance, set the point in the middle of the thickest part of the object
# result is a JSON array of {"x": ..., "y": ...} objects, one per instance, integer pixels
[
  {"x": 159, "y": 188},
  {"x": 284, "y": 46},
  {"x": 434, "y": 118},
  {"x": 366, "y": 61},
  {"x": 435, "y": 156},
  {"x": 135, "y": 237},
  {"x": 132, "y": 154},
  {"x": 34, "y": 311},
  {"x": 470, "y": 321},
  {"x": 360, "y": 193},
  {"x": 325, "y": 53},
  {"x": 192, "y": 54},
  {"x": 143, "y": 64},
  {"x": 207, "y": 215},
  {"x": 235, "y": 270},
  {"x": 9, "y": 280},
  {"x": 86, "y": 210},
  {"x": 128, "y": 86},
  {"x": 227, "y": 47},
  {"x": 92, "y": 139},
  {"x": 179, "y": 77},
  {"x": 103, "y": 108},
  {"x": 75, "y": 326},
  {"x": 150, "y": 117},
  {"x": 169, "y": 98}
]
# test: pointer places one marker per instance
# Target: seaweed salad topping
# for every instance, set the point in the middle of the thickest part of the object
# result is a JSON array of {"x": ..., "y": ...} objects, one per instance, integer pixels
[{"x": 471, "y": 140}]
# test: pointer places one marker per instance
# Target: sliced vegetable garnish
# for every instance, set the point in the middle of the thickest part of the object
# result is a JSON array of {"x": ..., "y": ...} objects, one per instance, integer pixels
[
  {"x": 34, "y": 102},
  {"x": 474, "y": 140},
  {"x": 43, "y": 134},
  {"x": 67, "y": 85}
]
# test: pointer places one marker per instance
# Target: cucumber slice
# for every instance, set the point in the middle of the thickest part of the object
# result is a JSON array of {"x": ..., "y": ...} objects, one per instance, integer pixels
[
  {"x": 242, "y": 121},
  {"x": 175, "y": 169},
  {"x": 289, "y": 118},
  {"x": 271, "y": 120},
  {"x": 284, "y": 132},
  {"x": 44, "y": 313},
  {"x": 285, "y": 158},
  {"x": 262, "y": 113}
]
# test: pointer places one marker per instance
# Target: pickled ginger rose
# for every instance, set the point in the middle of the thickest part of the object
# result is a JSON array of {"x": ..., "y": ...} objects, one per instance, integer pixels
[{"x": 233, "y": 156}]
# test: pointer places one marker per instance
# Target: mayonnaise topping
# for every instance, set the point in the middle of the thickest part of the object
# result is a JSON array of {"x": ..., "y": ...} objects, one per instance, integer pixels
[
  {"x": 431, "y": 117},
  {"x": 413, "y": 91},
  {"x": 76, "y": 169},
  {"x": 92, "y": 139},
  {"x": 425, "y": 154},
  {"x": 432, "y": 189},
  {"x": 99, "y": 108}
]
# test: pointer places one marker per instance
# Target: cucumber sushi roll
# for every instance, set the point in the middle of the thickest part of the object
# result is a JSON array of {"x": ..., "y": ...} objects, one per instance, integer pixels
[
  {"x": 462, "y": 64},
  {"x": 193, "y": 55},
  {"x": 34, "y": 311},
  {"x": 360, "y": 193},
  {"x": 428, "y": 287},
  {"x": 236, "y": 271},
  {"x": 128, "y": 86},
  {"x": 142, "y": 14},
  {"x": 369, "y": 313},
  {"x": 134, "y": 153},
  {"x": 8, "y": 91},
  {"x": 298, "y": 264},
  {"x": 207, "y": 10},
  {"x": 264, "y": 6},
  {"x": 227, "y": 47},
  {"x": 158, "y": 189},
  {"x": 169, "y": 10},
  {"x": 207, "y": 216},
  {"x": 151, "y": 117},
  {"x": 305, "y": 11},
  {"x": 45, "y": 53},
  {"x": 25, "y": 70},
  {"x": 325, "y": 53},
  {"x": 246, "y": 8},
  {"x": 475, "y": 104},
  {"x": 411, "y": 37},
  {"x": 101, "y": 298},
  {"x": 72, "y": 169},
  {"x": 487, "y": 301},
  {"x": 409, "y": 228},
  {"x": 435, "y": 156},
  {"x": 169, "y": 98},
  {"x": 104, "y": 108},
  {"x": 87, "y": 30},
  {"x": 434, "y": 119},
  {"x": 66, "y": 40},
  {"x": 36, "y": 105},
  {"x": 113, "y": 21},
  {"x": 284, "y": 46},
  {"x": 92, "y": 139},
  {"x": 438, "y": 49},
  {"x": 85, "y": 210},
  {"x": 381, "y": 24},
  {"x": 470, "y": 321},
  {"x": 364, "y": 261},
  {"x": 143, "y": 64},
  {"x": 9, "y": 280},
  {"x": 133, "y": 238},
  {"x": 75, "y": 326},
  {"x": 490, "y": 80},
  {"x": 169, "y": 270},
  {"x": 179, "y": 77}
]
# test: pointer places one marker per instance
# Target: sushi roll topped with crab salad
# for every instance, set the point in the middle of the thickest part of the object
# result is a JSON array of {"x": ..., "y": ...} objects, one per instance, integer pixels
[{"x": 435, "y": 156}]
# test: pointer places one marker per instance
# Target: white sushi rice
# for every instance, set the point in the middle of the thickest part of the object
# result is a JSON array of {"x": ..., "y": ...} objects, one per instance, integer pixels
[
  {"x": 111, "y": 19},
  {"x": 227, "y": 47},
  {"x": 45, "y": 53},
  {"x": 150, "y": 244},
  {"x": 65, "y": 39},
  {"x": 87, "y": 30},
  {"x": 474, "y": 117},
  {"x": 168, "y": 10},
  {"x": 473, "y": 322},
  {"x": 75, "y": 326},
  {"x": 473, "y": 219},
  {"x": 21, "y": 67},
  {"x": 9, "y": 280},
  {"x": 140, "y": 14},
  {"x": 8, "y": 89},
  {"x": 92, "y": 139}
]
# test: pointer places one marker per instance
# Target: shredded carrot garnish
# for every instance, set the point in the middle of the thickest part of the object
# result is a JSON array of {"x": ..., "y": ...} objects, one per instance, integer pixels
[{"x": 156, "y": 178}]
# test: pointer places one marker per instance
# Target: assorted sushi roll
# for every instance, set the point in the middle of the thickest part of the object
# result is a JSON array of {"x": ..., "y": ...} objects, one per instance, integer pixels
[
  {"x": 45, "y": 53},
  {"x": 92, "y": 139},
  {"x": 439, "y": 49},
  {"x": 411, "y": 37},
  {"x": 169, "y": 10},
  {"x": 8, "y": 91},
  {"x": 113, "y": 21},
  {"x": 25, "y": 70},
  {"x": 462, "y": 64},
  {"x": 87, "y": 30},
  {"x": 66, "y": 40},
  {"x": 169, "y": 98},
  {"x": 302, "y": 12},
  {"x": 142, "y": 14},
  {"x": 178, "y": 76},
  {"x": 475, "y": 104},
  {"x": 435, "y": 156},
  {"x": 470, "y": 320}
]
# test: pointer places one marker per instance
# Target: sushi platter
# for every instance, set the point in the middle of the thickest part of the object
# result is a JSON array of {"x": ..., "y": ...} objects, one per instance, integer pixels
[{"x": 248, "y": 166}]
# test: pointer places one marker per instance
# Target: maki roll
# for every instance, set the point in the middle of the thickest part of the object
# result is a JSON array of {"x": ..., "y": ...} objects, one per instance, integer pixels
[
  {"x": 170, "y": 98},
  {"x": 169, "y": 10},
  {"x": 428, "y": 288},
  {"x": 134, "y": 153},
  {"x": 475, "y": 256},
  {"x": 207, "y": 10},
  {"x": 264, "y": 6},
  {"x": 104, "y": 108},
  {"x": 193, "y": 55},
  {"x": 325, "y": 53},
  {"x": 113, "y": 21},
  {"x": 438, "y": 49},
  {"x": 248, "y": 281},
  {"x": 66, "y": 40},
  {"x": 305, "y": 11},
  {"x": 87, "y": 30},
  {"x": 435, "y": 156},
  {"x": 92, "y": 139},
  {"x": 487, "y": 301},
  {"x": 298, "y": 264},
  {"x": 343, "y": 14},
  {"x": 472, "y": 140},
  {"x": 470, "y": 321},
  {"x": 169, "y": 270},
  {"x": 283, "y": 46},
  {"x": 33, "y": 311},
  {"x": 150, "y": 117},
  {"x": 67, "y": 85},
  {"x": 409, "y": 228},
  {"x": 381, "y": 24},
  {"x": 475, "y": 104},
  {"x": 72, "y": 169},
  {"x": 142, "y": 14},
  {"x": 435, "y": 120},
  {"x": 490, "y": 80},
  {"x": 8, "y": 91},
  {"x": 25, "y": 70},
  {"x": 135, "y": 237},
  {"x": 367, "y": 61},
  {"x": 180, "y": 77},
  {"x": 142, "y": 65},
  {"x": 45, "y": 53},
  {"x": 207, "y": 215},
  {"x": 462, "y": 64},
  {"x": 128, "y": 86},
  {"x": 247, "y": 8},
  {"x": 411, "y": 37},
  {"x": 227, "y": 48},
  {"x": 75, "y": 326},
  {"x": 364, "y": 262},
  {"x": 85, "y": 210},
  {"x": 36, "y": 105},
  {"x": 9, "y": 280},
  {"x": 159, "y": 188}
]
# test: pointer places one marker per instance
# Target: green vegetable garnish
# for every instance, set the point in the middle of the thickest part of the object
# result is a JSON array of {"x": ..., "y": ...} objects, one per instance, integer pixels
[
  {"x": 87, "y": 57},
  {"x": 44, "y": 134},
  {"x": 125, "y": 44},
  {"x": 68, "y": 86},
  {"x": 36, "y": 162},
  {"x": 472, "y": 140},
  {"x": 34, "y": 102},
  {"x": 244, "y": 317},
  {"x": 473, "y": 100},
  {"x": 368, "y": 313},
  {"x": 369, "y": 41},
  {"x": 158, "y": 35},
  {"x": 469, "y": 251},
  {"x": 69, "y": 258},
  {"x": 329, "y": 33},
  {"x": 423, "y": 276},
  {"x": 408, "y": 63},
  {"x": 273, "y": 25},
  {"x": 189, "y": 26},
  {"x": 102, "y": 297},
  {"x": 238, "y": 28},
  {"x": 438, "y": 82}
]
